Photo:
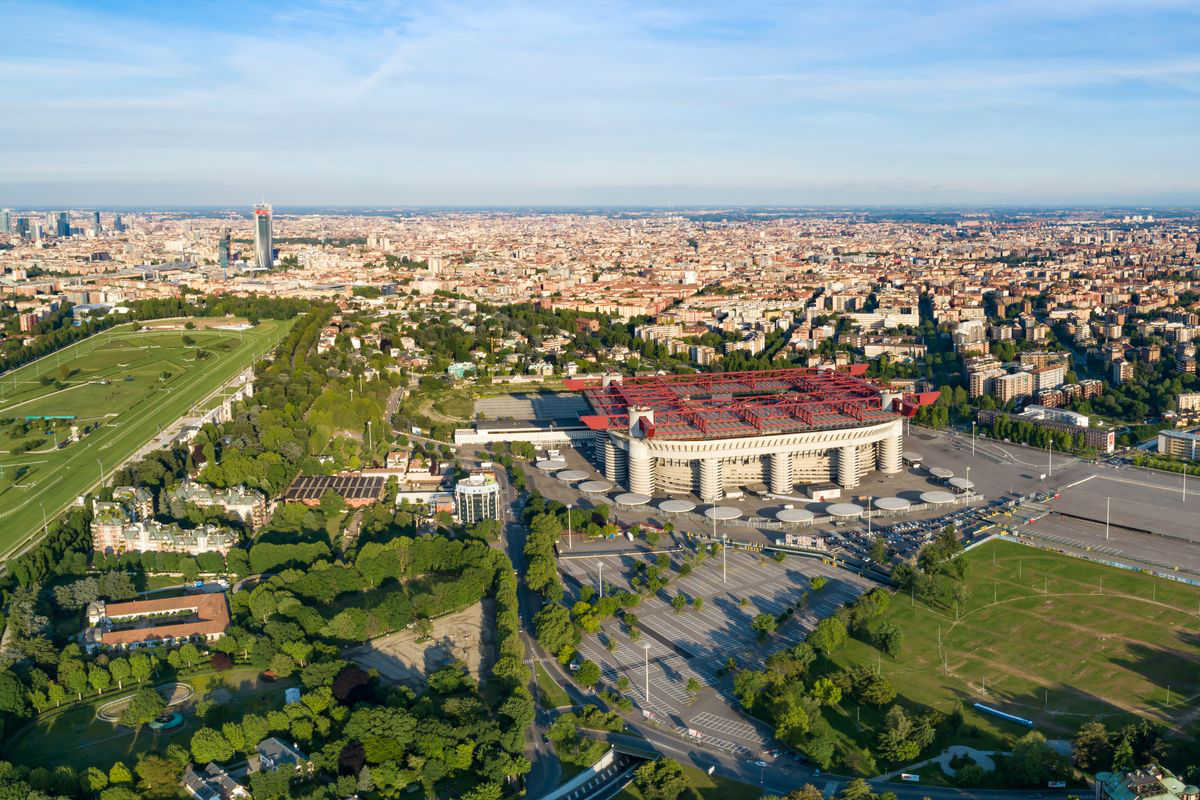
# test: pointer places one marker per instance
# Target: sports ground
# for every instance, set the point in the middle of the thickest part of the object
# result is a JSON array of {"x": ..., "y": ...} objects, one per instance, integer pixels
[
  {"x": 130, "y": 385},
  {"x": 1054, "y": 639}
]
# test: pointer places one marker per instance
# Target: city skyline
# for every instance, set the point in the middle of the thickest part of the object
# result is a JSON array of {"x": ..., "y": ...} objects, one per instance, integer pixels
[{"x": 125, "y": 104}]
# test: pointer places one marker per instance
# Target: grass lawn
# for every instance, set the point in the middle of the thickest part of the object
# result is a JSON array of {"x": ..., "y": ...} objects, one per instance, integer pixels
[
  {"x": 75, "y": 736},
  {"x": 456, "y": 403},
  {"x": 704, "y": 787},
  {"x": 133, "y": 384},
  {"x": 550, "y": 694},
  {"x": 1054, "y": 639}
]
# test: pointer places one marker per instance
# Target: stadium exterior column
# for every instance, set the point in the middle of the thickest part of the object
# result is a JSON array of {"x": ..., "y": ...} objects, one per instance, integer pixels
[
  {"x": 891, "y": 453},
  {"x": 781, "y": 473},
  {"x": 641, "y": 467},
  {"x": 848, "y": 466},
  {"x": 710, "y": 479},
  {"x": 614, "y": 462}
]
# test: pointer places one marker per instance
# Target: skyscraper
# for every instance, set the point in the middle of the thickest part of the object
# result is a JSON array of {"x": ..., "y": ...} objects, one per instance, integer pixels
[
  {"x": 96, "y": 223},
  {"x": 6, "y": 221},
  {"x": 223, "y": 249},
  {"x": 23, "y": 227},
  {"x": 264, "y": 256},
  {"x": 118, "y": 225},
  {"x": 63, "y": 228}
]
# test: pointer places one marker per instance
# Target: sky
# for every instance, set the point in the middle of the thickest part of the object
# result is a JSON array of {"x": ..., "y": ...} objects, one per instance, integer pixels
[{"x": 349, "y": 102}]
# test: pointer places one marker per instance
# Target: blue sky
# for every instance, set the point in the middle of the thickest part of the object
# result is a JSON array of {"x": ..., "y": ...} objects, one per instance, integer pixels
[{"x": 409, "y": 103}]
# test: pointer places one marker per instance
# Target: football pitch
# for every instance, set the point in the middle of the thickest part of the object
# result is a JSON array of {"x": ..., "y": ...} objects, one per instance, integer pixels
[
  {"x": 1050, "y": 638},
  {"x": 129, "y": 385}
]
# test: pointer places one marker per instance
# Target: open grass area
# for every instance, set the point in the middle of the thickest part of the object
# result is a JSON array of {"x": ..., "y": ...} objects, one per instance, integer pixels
[
  {"x": 129, "y": 384},
  {"x": 703, "y": 787},
  {"x": 77, "y": 737},
  {"x": 1054, "y": 639},
  {"x": 550, "y": 694}
]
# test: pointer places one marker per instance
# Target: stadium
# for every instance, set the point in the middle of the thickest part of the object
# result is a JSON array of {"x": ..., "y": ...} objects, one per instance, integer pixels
[{"x": 706, "y": 434}]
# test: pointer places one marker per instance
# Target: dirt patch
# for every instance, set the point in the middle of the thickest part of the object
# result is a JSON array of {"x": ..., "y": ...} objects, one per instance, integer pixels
[{"x": 466, "y": 636}]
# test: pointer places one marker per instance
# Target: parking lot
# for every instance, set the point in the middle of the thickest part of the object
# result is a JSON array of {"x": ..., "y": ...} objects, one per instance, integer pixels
[{"x": 697, "y": 644}]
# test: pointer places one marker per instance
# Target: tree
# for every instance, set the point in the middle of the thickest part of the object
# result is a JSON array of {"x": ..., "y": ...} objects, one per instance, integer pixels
[
  {"x": 763, "y": 624},
  {"x": 119, "y": 773},
  {"x": 828, "y": 636},
  {"x": 678, "y": 602},
  {"x": 119, "y": 669},
  {"x": 210, "y": 745},
  {"x": 140, "y": 667},
  {"x": 857, "y": 789},
  {"x": 588, "y": 674},
  {"x": 158, "y": 777},
  {"x": 189, "y": 654},
  {"x": 144, "y": 707},
  {"x": 660, "y": 780},
  {"x": 1092, "y": 748},
  {"x": 897, "y": 742},
  {"x": 12, "y": 695},
  {"x": 693, "y": 686}
]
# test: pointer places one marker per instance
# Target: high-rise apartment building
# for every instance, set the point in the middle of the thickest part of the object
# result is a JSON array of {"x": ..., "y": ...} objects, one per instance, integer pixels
[
  {"x": 1012, "y": 387},
  {"x": 264, "y": 255}
]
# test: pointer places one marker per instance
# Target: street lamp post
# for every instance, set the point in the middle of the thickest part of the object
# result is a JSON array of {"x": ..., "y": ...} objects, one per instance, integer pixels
[
  {"x": 370, "y": 442},
  {"x": 101, "y": 466},
  {"x": 570, "y": 543},
  {"x": 601, "y": 580},
  {"x": 869, "y": 499},
  {"x": 1107, "y": 501},
  {"x": 724, "y": 549},
  {"x": 972, "y": 439},
  {"x": 1050, "y": 458}
]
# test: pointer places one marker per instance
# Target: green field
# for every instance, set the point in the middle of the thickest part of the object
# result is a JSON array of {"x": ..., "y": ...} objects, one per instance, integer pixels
[
  {"x": 119, "y": 381},
  {"x": 1054, "y": 639}
]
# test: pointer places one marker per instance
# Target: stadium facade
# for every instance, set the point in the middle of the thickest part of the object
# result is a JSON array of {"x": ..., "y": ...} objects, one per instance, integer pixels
[{"x": 706, "y": 434}]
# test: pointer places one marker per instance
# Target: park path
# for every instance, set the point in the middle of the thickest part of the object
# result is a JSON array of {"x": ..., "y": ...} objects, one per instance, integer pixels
[{"x": 981, "y": 757}]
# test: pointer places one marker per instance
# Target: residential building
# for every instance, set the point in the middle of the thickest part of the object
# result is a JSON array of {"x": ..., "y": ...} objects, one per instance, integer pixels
[
  {"x": 249, "y": 505},
  {"x": 273, "y": 753},
  {"x": 212, "y": 783},
  {"x": 1012, "y": 387},
  {"x": 1049, "y": 377},
  {"x": 477, "y": 497},
  {"x": 167, "y": 620},
  {"x": 1121, "y": 372},
  {"x": 1188, "y": 402}
]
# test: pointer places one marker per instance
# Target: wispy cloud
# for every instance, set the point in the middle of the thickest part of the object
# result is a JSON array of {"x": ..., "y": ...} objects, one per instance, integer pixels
[{"x": 349, "y": 101}]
